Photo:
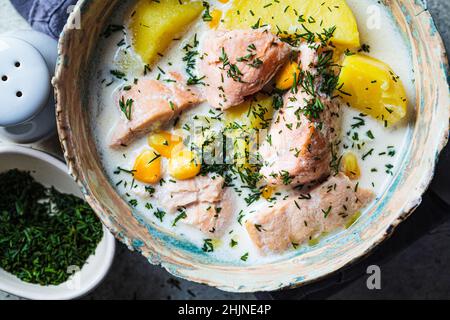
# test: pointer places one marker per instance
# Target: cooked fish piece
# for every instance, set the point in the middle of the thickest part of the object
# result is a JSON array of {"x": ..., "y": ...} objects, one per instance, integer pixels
[
  {"x": 298, "y": 147},
  {"x": 298, "y": 219},
  {"x": 208, "y": 206},
  {"x": 309, "y": 56},
  {"x": 211, "y": 218},
  {"x": 183, "y": 193},
  {"x": 239, "y": 63},
  {"x": 149, "y": 104}
]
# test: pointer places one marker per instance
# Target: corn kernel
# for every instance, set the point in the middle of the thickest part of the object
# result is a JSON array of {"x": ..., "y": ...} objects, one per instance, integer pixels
[
  {"x": 147, "y": 167},
  {"x": 350, "y": 166},
  {"x": 267, "y": 192},
  {"x": 184, "y": 164},
  {"x": 287, "y": 76},
  {"x": 216, "y": 15},
  {"x": 164, "y": 143}
]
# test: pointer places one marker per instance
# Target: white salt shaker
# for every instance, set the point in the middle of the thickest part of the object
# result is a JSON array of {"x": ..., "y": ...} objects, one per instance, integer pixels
[{"x": 27, "y": 106}]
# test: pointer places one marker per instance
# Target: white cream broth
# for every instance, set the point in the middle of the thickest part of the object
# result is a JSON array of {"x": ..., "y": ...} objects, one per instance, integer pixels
[{"x": 377, "y": 167}]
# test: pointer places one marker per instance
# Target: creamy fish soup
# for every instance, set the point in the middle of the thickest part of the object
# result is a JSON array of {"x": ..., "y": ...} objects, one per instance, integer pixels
[{"x": 251, "y": 129}]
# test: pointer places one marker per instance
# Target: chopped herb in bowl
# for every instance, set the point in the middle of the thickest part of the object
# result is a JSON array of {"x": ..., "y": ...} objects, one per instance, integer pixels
[{"x": 43, "y": 233}]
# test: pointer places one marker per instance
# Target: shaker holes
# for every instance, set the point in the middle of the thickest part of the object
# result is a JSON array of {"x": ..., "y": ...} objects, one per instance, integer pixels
[
  {"x": 4, "y": 78},
  {"x": 19, "y": 94}
]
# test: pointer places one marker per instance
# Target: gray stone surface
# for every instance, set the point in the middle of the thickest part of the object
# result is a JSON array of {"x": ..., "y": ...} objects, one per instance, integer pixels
[
  {"x": 440, "y": 10},
  {"x": 419, "y": 272},
  {"x": 132, "y": 277}
]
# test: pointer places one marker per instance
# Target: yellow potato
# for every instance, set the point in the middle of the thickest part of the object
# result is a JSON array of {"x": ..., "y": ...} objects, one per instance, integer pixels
[
  {"x": 287, "y": 16},
  {"x": 155, "y": 24},
  {"x": 244, "y": 124},
  {"x": 147, "y": 167},
  {"x": 184, "y": 164},
  {"x": 350, "y": 166},
  {"x": 255, "y": 113},
  {"x": 371, "y": 86},
  {"x": 164, "y": 142}
]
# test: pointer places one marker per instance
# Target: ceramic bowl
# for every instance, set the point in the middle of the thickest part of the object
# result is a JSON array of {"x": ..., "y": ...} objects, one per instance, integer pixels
[
  {"x": 428, "y": 135},
  {"x": 52, "y": 172}
]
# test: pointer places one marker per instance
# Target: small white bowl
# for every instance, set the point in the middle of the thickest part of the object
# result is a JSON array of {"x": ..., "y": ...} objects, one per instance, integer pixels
[{"x": 52, "y": 172}]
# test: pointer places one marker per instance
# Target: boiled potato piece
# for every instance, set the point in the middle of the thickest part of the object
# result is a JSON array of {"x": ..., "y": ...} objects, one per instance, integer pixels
[
  {"x": 289, "y": 15},
  {"x": 371, "y": 86},
  {"x": 350, "y": 166},
  {"x": 155, "y": 24},
  {"x": 255, "y": 113},
  {"x": 243, "y": 121}
]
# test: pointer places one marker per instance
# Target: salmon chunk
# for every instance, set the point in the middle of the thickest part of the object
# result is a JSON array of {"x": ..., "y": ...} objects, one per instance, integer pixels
[
  {"x": 300, "y": 143},
  {"x": 298, "y": 219},
  {"x": 183, "y": 193},
  {"x": 298, "y": 147},
  {"x": 211, "y": 218},
  {"x": 149, "y": 104},
  {"x": 308, "y": 57},
  {"x": 208, "y": 206},
  {"x": 239, "y": 63}
]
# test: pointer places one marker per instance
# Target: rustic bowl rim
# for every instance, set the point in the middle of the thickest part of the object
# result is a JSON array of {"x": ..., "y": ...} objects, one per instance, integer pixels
[{"x": 388, "y": 229}]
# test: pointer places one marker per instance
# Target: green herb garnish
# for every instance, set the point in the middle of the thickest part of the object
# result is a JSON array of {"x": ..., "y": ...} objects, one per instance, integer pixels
[
  {"x": 206, "y": 14},
  {"x": 208, "y": 245},
  {"x": 244, "y": 257},
  {"x": 125, "y": 107}
]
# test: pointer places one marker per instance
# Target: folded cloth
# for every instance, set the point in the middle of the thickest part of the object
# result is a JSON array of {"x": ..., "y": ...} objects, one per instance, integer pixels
[{"x": 47, "y": 16}]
